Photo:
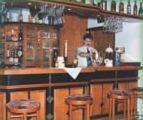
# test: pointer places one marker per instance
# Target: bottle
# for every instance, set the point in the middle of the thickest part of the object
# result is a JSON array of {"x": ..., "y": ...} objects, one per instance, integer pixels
[
  {"x": 20, "y": 35},
  {"x": 20, "y": 17},
  {"x": 117, "y": 57},
  {"x": 55, "y": 56},
  {"x": 20, "y": 54},
  {"x": 113, "y": 6},
  {"x": 135, "y": 9},
  {"x": 88, "y": 57},
  {"x": 140, "y": 10},
  {"x": 121, "y": 7},
  {"x": 129, "y": 8},
  {"x": 105, "y": 5},
  {"x": 8, "y": 51}
]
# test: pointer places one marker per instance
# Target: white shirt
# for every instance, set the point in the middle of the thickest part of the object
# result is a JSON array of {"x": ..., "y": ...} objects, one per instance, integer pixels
[{"x": 82, "y": 61}]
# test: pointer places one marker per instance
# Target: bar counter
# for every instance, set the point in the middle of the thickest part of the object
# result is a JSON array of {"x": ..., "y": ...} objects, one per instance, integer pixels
[{"x": 50, "y": 86}]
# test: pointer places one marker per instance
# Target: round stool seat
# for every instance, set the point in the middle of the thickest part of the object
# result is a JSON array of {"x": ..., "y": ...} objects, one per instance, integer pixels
[
  {"x": 79, "y": 99},
  {"x": 118, "y": 94},
  {"x": 23, "y": 106}
]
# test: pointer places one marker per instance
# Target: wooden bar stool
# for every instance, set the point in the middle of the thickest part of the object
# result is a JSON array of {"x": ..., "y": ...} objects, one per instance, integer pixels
[
  {"x": 79, "y": 102},
  {"x": 119, "y": 96},
  {"x": 23, "y": 108},
  {"x": 135, "y": 93}
]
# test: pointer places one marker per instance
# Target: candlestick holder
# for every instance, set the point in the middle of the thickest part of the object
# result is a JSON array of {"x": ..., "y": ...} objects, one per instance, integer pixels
[{"x": 66, "y": 60}]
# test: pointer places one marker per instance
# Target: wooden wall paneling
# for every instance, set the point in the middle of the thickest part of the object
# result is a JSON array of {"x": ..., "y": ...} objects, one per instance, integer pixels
[
  {"x": 72, "y": 31},
  {"x": 107, "y": 87},
  {"x": 60, "y": 107},
  {"x": 102, "y": 39},
  {"x": 40, "y": 95},
  {"x": 123, "y": 85},
  {"x": 132, "y": 84},
  {"x": 77, "y": 114},
  {"x": 18, "y": 95},
  {"x": 2, "y": 106},
  {"x": 96, "y": 94}
]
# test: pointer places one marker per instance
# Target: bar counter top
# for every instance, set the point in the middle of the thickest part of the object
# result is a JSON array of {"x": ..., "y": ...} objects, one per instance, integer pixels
[{"x": 38, "y": 70}]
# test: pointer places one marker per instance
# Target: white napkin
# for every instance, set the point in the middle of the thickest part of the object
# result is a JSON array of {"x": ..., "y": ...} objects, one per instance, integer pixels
[{"x": 73, "y": 72}]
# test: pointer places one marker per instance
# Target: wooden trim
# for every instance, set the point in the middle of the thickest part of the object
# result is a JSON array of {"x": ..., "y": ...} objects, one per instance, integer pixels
[
  {"x": 31, "y": 86},
  {"x": 23, "y": 71}
]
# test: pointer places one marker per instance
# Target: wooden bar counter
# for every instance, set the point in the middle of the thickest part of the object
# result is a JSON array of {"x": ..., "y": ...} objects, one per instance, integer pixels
[{"x": 50, "y": 86}]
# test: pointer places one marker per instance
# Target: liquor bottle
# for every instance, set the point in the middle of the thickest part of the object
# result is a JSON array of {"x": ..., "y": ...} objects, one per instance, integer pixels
[
  {"x": 105, "y": 5},
  {"x": 140, "y": 10},
  {"x": 121, "y": 7},
  {"x": 55, "y": 56},
  {"x": 20, "y": 54},
  {"x": 20, "y": 17},
  {"x": 20, "y": 35},
  {"x": 8, "y": 51},
  {"x": 113, "y": 6},
  {"x": 129, "y": 8},
  {"x": 135, "y": 9}
]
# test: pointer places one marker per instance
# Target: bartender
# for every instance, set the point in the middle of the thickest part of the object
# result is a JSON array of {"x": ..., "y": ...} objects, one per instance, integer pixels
[{"x": 86, "y": 54}]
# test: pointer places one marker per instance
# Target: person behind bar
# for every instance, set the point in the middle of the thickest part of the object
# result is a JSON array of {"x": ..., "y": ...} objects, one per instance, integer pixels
[{"x": 86, "y": 54}]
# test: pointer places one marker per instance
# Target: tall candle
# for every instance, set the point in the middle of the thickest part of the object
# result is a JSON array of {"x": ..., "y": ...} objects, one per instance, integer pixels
[{"x": 66, "y": 48}]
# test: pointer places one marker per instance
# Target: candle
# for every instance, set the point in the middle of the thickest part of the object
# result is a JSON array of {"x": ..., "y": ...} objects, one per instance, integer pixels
[{"x": 66, "y": 47}]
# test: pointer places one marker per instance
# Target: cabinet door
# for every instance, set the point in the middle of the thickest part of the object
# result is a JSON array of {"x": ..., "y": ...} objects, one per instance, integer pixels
[
  {"x": 107, "y": 87},
  {"x": 30, "y": 40},
  {"x": 96, "y": 94}
]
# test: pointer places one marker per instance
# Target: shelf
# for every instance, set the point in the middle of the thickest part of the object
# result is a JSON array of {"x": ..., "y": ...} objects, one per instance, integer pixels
[
  {"x": 38, "y": 24},
  {"x": 80, "y": 9},
  {"x": 89, "y": 11}
]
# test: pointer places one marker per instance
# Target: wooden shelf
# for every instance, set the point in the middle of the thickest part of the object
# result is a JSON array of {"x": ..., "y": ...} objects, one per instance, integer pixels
[
  {"x": 38, "y": 24},
  {"x": 80, "y": 9},
  {"x": 87, "y": 10}
]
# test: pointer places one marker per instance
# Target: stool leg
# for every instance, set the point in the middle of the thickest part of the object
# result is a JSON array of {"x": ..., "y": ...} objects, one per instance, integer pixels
[
  {"x": 110, "y": 108},
  {"x": 128, "y": 109},
  {"x": 131, "y": 106},
  {"x": 38, "y": 114},
  {"x": 124, "y": 108},
  {"x": 70, "y": 112},
  {"x": 24, "y": 116},
  {"x": 113, "y": 109},
  {"x": 88, "y": 112}
]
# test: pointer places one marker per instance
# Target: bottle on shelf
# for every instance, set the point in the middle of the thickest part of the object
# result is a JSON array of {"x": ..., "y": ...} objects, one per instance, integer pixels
[
  {"x": 20, "y": 35},
  {"x": 121, "y": 7},
  {"x": 141, "y": 10},
  {"x": 20, "y": 17},
  {"x": 104, "y": 5},
  {"x": 8, "y": 52},
  {"x": 135, "y": 8},
  {"x": 113, "y": 6},
  {"x": 20, "y": 54},
  {"x": 129, "y": 8},
  {"x": 55, "y": 56}
]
